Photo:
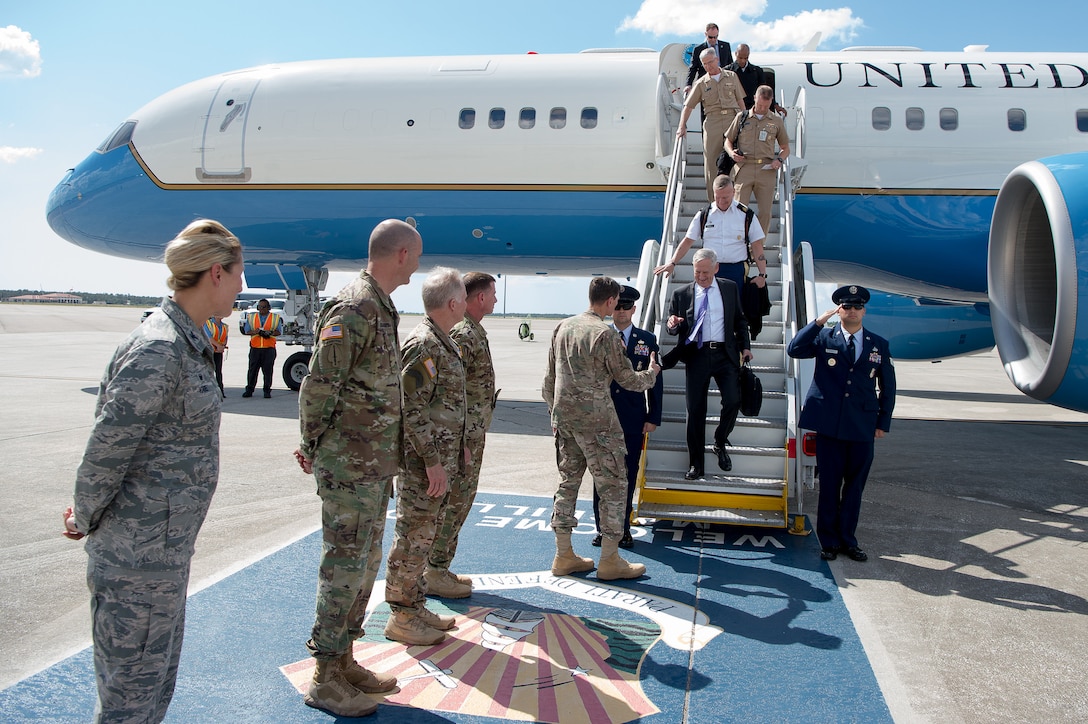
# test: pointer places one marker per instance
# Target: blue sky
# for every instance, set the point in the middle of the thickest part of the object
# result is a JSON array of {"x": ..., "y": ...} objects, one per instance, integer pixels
[{"x": 70, "y": 72}]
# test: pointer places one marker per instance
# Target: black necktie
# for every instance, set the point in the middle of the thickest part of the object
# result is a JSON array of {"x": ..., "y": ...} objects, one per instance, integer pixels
[{"x": 851, "y": 351}]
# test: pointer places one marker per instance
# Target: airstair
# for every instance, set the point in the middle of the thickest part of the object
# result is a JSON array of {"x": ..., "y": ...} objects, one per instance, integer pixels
[{"x": 765, "y": 485}]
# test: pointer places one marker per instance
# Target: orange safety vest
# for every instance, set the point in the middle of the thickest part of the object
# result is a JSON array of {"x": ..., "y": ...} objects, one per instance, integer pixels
[
  {"x": 270, "y": 323},
  {"x": 216, "y": 331}
]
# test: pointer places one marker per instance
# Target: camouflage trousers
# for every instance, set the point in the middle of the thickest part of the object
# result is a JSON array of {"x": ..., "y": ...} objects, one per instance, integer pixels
[
  {"x": 413, "y": 535},
  {"x": 137, "y": 625},
  {"x": 603, "y": 454},
  {"x": 352, "y": 528},
  {"x": 456, "y": 506}
]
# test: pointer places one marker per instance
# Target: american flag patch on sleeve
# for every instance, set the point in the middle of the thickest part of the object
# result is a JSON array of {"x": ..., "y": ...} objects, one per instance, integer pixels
[{"x": 332, "y": 331}]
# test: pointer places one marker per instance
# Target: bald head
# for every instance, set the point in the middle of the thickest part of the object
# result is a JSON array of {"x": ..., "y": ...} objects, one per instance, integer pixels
[{"x": 390, "y": 236}]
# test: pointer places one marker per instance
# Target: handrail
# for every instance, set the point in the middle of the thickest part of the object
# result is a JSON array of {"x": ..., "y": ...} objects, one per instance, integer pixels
[{"x": 654, "y": 308}]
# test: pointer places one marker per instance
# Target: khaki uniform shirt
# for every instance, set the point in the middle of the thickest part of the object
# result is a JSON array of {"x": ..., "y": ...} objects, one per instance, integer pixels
[
  {"x": 350, "y": 404},
  {"x": 724, "y": 94},
  {"x": 757, "y": 139}
]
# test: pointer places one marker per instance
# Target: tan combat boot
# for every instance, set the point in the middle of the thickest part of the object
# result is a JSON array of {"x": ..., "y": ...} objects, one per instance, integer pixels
[
  {"x": 434, "y": 620},
  {"x": 566, "y": 560},
  {"x": 364, "y": 679},
  {"x": 329, "y": 690},
  {"x": 442, "y": 584},
  {"x": 408, "y": 628},
  {"x": 612, "y": 566}
]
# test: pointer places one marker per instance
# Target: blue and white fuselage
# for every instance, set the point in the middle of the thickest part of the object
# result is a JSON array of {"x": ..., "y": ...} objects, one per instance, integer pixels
[{"x": 553, "y": 164}]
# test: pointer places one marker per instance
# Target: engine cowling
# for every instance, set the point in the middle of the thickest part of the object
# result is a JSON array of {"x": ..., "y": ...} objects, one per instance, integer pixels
[{"x": 1037, "y": 267}]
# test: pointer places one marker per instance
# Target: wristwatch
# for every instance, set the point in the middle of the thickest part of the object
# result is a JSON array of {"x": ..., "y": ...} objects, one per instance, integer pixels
[{"x": 762, "y": 275}]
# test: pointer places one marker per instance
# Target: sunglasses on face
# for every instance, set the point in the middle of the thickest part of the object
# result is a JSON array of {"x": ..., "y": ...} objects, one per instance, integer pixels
[
  {"x": 623, "y": 306},
  {"x": 852, "y": 306}
]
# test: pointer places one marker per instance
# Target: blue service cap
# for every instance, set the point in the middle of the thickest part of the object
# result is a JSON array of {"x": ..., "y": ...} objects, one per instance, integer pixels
[{"x": 850, "y": 294}]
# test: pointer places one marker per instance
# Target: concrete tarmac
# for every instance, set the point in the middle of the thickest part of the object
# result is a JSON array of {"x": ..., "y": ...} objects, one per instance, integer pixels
[{"x": 973, "y": 606}]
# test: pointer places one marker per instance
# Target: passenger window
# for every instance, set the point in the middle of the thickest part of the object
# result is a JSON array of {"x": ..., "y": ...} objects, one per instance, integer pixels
[
  {"x": 589, "y": 118},
  {"x": 527, "y": 118},
  {"x": 558, "y": 118},
  {"x": 882, "y": 118},
  {"x": 467, "y": 118},
  {"x": 1082, "y": 120},
  {"x": 1017, "y": 118},
  {"x": 916, "y": 119},
  {"x": 950, "y": 119},
  {"x": 497, "y": 118}
]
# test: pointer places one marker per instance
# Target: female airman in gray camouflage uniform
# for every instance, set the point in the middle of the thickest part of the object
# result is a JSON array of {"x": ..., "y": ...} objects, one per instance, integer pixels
[{"x": 147, "y": 478}]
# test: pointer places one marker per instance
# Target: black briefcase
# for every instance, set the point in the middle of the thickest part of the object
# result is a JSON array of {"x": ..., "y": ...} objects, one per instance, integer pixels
[{"x": 751, "y": 392}]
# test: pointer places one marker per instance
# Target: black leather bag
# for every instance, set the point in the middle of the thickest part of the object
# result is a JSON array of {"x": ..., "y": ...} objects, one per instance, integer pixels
[
  {"x": 725, "y": 163},
  {"x": 751, "y": 392}
]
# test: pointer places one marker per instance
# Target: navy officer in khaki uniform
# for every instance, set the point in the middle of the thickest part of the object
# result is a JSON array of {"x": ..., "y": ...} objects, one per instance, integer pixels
[{"x": 849, "y": 405}]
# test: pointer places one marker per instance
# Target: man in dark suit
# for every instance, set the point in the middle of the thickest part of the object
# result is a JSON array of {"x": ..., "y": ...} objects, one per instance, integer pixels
[
  {"x": 713, "y": 337},
  {"x": 849, "y": 405},
  {"x": 639, "y": 412},
  {"x": 725, "y": 55},
  {"x": 751, "y": 77}
]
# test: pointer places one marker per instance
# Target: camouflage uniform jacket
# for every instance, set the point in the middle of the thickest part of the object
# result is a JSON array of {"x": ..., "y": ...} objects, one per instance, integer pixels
[
  {"x": 585, "y": 357},
  {"x": 434, "y": 401},
  {"x": 471, "y": 337},
  {"x": 152, "y": 461},
  {"x": 350, "y": 404}
]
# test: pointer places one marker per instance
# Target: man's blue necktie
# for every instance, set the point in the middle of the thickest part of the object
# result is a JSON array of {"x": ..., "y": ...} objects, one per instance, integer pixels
[{"x": 699, "y": 319}]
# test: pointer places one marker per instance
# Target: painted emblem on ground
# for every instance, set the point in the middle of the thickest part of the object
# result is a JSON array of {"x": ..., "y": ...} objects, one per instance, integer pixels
[{"x": 526, "y": 664}]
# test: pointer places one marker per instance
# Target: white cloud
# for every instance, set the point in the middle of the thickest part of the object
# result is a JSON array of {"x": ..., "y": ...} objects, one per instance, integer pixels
[
  {"x": 11, "y": 154},
  {"x": 739, "y": 22},
  {"x": 19, "y": 53}
]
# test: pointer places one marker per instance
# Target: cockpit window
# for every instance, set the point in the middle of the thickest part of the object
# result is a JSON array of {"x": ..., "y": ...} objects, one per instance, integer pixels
[{"x": 120, "y": 137}]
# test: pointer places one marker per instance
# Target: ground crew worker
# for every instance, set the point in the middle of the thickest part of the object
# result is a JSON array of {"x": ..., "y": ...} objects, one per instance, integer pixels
[
  {"x": 433, "y": 380},
  {"x": 586, "y": 355},
  {"x": 722, "y": 97},
  {"x": 750, "y": 142},
  {"x": 480, "y": 396},
  {"x": 216, "y": 331},
  {"x": 350, "y": 420},
  {"x": 146, "y": 480},
  {"x": 262, "y": 326}
]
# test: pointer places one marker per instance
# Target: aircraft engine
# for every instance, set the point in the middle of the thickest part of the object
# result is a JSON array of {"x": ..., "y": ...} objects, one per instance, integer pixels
[{"x": 1037, "y": 267}]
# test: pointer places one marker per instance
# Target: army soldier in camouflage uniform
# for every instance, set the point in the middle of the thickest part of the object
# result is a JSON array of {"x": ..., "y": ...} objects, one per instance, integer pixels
[
  {"x": 480, "y": 396},
  {"x": 433, "y": 381},
  {"x": 350, "y": 418},
  {"x": 586, "y": 355},
  {"x": 147, "y": 477}
]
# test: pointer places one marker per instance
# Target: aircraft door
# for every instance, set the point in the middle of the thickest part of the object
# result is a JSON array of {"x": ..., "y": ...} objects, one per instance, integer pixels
[
  {"x": 798, "y": 139},
  {"x": 222, "y": 153}
]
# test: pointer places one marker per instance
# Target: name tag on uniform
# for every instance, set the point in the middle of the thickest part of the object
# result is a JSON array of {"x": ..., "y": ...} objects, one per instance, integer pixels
[
  {"x": 709, "y": 225},
  {"x": 831, "y": 351}
]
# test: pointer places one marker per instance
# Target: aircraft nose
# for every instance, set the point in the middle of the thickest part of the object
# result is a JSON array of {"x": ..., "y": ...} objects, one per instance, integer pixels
[{"x": 63, "y": 196}]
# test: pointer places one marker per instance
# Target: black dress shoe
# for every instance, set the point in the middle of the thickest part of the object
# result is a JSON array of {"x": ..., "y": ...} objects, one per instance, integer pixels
[
  {"x": 627, "y": 541},
  {"x": 829, "y": 554},
  {"x": 724, "y": 462},
  {"x": 267, "y": 394},
  {"x": 596, "y": 542},
  {"x": 693, "y": 473},
  {"x": 247, "y": 393},
  {"x": 857, "y": 554}
]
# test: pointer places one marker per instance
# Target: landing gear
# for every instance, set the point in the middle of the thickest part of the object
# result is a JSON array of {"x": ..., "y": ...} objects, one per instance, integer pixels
[
  {"x": 295, "y": 369},
  {"x": 301, "y": 307}
]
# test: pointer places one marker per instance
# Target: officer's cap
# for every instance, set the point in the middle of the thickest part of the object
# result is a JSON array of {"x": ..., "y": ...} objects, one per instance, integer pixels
[
  {"x": 851, "y": 294},
  {"x": 628, "y": 294}
]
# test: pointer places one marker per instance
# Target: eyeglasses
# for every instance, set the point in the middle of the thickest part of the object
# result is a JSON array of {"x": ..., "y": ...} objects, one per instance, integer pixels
[
  {"x": 624, "y": 306},
  {"x": 852, "y": 306}
]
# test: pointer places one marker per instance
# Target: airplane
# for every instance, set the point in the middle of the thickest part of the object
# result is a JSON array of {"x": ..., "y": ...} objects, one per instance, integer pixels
[{"x": 951, "y": 178}]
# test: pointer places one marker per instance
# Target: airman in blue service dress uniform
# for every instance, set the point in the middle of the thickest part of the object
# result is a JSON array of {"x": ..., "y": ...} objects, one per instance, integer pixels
[
  {"x": 639, "y": 412},
  {"x": 849, "y": 405}
]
